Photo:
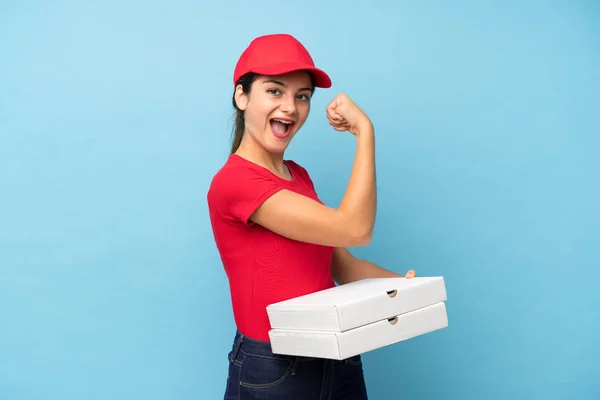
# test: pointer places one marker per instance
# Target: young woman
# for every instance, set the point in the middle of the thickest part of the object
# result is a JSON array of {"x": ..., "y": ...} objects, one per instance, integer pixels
[{"x": 276, "y": 239}]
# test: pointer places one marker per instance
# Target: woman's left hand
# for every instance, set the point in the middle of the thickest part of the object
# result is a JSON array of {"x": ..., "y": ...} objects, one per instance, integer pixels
[{"x": 410, "y": 274}]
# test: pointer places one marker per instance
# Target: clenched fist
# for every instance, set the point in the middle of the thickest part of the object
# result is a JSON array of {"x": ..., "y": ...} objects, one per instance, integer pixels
[{"x": 344, "y": 115}]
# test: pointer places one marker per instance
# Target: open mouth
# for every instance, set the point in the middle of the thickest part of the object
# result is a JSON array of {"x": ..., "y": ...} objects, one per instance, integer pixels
[{"x": 281, "y": 128}]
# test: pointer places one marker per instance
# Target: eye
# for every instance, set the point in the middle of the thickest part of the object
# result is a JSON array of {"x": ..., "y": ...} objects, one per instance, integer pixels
[
  {"x": 273, "y": 91},
  {"x": 304, "y": 97}
]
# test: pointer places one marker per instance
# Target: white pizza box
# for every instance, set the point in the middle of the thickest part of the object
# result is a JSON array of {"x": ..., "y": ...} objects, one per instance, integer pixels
[
  {"x": 355, "y": 304},
  {"x": 343, "y": 345}
]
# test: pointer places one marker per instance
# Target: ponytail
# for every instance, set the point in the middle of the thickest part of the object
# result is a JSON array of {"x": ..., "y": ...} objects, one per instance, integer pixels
[
  {"x": 239, "y": 125},
  {"x": 238, "y": 130}
]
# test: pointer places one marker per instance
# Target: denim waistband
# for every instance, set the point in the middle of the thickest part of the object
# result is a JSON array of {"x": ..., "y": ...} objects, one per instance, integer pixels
[
  {"x": 261, "y": 348},
  {"x": 256, "y": 347}
]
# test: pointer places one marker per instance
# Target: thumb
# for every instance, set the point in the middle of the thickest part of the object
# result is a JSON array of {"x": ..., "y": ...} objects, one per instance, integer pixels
[
  {"x": 333, "y": 107},
  {"x": 338, "y": 105}
]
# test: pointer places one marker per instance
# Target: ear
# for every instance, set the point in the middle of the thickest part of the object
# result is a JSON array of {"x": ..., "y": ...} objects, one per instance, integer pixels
[{"x": 241, "y": 99}]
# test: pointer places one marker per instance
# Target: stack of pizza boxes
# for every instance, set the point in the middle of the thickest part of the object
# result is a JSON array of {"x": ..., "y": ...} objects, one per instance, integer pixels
[{"x": 357, "y": 317}]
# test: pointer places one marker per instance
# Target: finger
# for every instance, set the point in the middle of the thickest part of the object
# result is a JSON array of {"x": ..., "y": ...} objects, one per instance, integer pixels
[
  {"x": 335, "y": 117},
  {"x": 333, "y": 113},
  {"x": 337, "y": 121},
  {"x": 339, "y": 128},
  {"x": 333, "y": 123},
  {"x": 333, "y": 104},
  {"x": 330, "y": 110}
]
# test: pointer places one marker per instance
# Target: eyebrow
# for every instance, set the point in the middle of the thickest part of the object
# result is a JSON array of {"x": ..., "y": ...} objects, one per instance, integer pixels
[{"x": 284, "y": 85}]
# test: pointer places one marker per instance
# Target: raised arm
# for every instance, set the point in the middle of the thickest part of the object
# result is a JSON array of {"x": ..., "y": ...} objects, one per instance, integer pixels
[{"x": 351, "y": 224}]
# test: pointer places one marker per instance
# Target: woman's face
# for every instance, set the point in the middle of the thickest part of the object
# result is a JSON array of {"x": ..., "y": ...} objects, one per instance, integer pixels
[{"x": 276, "y": 108}]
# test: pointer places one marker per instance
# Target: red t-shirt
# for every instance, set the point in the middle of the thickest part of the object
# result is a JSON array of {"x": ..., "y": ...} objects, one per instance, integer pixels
[{"x": 262, "y": 266}]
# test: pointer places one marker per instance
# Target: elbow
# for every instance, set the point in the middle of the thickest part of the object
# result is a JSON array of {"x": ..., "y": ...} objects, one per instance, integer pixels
[
  {"x": 362, "y": 241},
  {"x": 361, "y": 236},
  {"x": 355, "y": 230}
]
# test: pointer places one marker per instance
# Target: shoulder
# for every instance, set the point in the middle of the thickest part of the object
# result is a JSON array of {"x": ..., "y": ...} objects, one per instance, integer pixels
[
  {"x": 233, "y": 176},
  {"x": 238, "y": 188}
]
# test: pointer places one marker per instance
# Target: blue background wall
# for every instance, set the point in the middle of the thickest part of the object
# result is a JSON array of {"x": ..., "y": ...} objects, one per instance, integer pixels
[{"x": 114, "y": 116}]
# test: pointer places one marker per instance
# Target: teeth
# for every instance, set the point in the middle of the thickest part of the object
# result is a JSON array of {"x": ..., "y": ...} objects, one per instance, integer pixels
[{"x": 283, "y": 122}]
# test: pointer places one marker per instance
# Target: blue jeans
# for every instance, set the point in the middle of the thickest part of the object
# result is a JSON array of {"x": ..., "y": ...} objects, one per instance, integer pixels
[{"x": 256, "y": 373}]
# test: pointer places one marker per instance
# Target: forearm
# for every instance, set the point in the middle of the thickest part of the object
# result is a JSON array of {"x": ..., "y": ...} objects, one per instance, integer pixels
[
  {"x": 360, "y": 200},
  {"x": 358, "y": 269}
]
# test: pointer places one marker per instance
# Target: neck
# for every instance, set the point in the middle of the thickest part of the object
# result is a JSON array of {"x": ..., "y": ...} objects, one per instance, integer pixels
[{"x": 253, "y": 151}]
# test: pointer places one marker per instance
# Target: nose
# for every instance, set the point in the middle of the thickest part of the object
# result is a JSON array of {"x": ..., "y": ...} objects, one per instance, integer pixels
[{"x": 288, "y": 104}]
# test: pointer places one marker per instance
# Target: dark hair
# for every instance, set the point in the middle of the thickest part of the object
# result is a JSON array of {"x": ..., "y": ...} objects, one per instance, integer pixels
[{"x": 238, "y": 126}]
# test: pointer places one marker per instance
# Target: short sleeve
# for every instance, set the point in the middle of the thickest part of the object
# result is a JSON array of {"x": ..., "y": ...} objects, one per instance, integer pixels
[{"x": 236, "y": 192}]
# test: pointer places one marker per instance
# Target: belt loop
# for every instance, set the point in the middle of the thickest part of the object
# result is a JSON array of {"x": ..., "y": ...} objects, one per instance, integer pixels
[
  {"x": 237, "y": 346},
  {"x": 296, "y": 360}
]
